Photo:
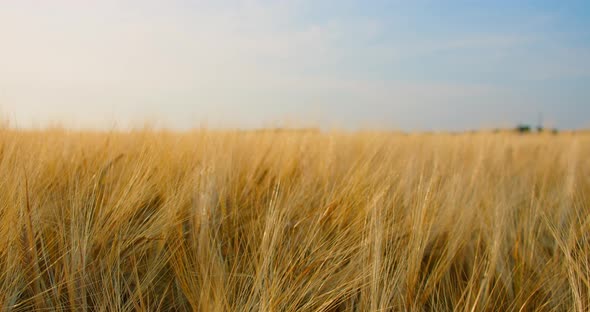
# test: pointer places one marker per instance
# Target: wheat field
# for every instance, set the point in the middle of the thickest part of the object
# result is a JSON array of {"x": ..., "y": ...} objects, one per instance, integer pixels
[{"x": 153, "y": 220}]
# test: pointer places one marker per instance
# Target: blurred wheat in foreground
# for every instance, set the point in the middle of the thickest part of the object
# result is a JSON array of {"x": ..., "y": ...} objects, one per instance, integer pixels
[{"x": 293, "y": 221}]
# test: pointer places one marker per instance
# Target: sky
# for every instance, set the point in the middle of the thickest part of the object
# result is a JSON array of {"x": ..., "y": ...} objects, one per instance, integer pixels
[{"x": 407, "y": 65}]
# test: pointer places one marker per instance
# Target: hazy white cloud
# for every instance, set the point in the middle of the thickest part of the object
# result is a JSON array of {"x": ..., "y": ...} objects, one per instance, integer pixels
[{"x": 245, "y": 63}]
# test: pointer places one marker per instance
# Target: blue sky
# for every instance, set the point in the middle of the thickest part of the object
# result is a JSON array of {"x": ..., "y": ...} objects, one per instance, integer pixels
[{"x": 412, "y": 65}]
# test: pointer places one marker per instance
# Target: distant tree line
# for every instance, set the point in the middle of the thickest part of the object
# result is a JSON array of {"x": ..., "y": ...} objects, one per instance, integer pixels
[{"x": 524, "y": 128}]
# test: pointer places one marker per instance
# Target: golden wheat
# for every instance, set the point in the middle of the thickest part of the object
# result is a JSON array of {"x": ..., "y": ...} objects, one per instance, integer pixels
[{"x": 293, "y": 221}]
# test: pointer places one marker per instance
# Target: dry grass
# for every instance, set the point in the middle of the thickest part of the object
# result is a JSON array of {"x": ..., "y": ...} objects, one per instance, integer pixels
[{"x": 293, "y": 221}]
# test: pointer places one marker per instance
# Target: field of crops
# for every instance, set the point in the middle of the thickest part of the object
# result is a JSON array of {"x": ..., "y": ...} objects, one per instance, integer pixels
[{"x": 293, "y": 221}]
